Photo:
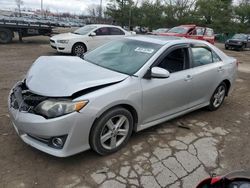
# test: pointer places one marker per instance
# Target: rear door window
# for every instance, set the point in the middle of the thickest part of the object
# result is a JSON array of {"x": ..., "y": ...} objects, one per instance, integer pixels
[
  {"x": 201, "y": 56},
  {"x": 216, "y": 58},
  {"x": 209, "y": 32},
  {"x": 116, "y": 31}
]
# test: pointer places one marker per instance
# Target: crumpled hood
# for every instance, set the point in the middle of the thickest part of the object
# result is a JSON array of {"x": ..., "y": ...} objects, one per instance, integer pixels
[
  {"x": 66, "y": 36},
  {"x": 62, "y": 76}
]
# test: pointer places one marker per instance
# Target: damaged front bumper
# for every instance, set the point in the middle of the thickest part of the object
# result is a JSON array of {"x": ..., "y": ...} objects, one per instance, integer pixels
[{"x": 37, "y": 131}]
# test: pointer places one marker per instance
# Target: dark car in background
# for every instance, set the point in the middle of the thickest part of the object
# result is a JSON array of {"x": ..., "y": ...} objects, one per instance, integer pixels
[{"x": 238, "y": 41}]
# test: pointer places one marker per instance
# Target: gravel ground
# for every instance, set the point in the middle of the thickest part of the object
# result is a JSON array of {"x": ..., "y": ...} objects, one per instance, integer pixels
[{"x": 166, "y": 155}]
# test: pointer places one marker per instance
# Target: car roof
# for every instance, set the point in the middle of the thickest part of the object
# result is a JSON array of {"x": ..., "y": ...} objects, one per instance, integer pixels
[
  {"x": 162, "y": 40},
  {"x": 104, "y": 25},
  {"x": 191, "y": 26},
  {"x": 188, "y": 25}
]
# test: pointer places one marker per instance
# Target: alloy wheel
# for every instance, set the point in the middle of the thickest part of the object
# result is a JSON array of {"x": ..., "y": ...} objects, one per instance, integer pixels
[
  {"x": 114, "y": 132},
  {"x": 79, "y": 50},
  {"x": 219, "y": 96}
]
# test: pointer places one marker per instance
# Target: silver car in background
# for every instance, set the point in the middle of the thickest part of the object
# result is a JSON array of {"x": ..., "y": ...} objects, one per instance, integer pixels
[{"x": 66, "y": 105}]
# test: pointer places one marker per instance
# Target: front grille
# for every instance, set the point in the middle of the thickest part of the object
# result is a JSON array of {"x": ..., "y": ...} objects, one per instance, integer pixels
[
  {"x": 23, "y": 100},
  {"x": 52, "y": 41},
  {"x": 233, "y": 41}
]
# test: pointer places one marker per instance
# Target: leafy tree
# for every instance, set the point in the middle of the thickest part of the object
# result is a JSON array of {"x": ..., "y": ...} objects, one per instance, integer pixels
[
  {"x": 120, "y": 11},
  {"x": 215, "y": 13},
  {"x": 221, "y": 15},
  {"x": 242, "y": 12},
  {"x": 151, "y": 14}
]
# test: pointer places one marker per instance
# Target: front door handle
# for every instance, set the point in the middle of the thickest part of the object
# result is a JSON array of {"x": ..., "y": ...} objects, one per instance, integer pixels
[{"x": 188, "y": 78}]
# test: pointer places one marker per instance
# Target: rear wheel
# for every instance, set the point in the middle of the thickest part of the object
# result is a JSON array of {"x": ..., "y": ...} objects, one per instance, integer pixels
[
  {"x": 78, "y": 49},
  {"x": 111, "y": 131},
  {"x": 5, "y": 36},
  {"x": 218, "y": 97}
]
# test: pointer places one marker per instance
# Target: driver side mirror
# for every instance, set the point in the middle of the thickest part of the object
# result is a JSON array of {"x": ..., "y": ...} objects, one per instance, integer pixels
[
  {"x": 157, "y": 72},
  {"x": 92, "y": 34}
]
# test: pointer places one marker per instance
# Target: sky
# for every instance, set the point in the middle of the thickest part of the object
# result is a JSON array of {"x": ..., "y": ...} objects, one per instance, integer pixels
[{"x": 72, "y": 6}]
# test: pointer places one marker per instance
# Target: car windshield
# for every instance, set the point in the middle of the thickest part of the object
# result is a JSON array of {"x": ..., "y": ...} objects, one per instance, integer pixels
[
  {"x": 84, "y": 30},
  {"x": 179, "y": 30},
  {"x": 239, "y": 36},
  {"x": 125, "y": 56}
]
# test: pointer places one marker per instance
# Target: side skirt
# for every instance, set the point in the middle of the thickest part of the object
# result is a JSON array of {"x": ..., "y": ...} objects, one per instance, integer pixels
[{"x": 172, "y": 116}]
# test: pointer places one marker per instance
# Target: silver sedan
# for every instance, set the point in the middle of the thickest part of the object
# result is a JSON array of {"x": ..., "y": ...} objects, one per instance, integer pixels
[{"x": 66, "y": 105}]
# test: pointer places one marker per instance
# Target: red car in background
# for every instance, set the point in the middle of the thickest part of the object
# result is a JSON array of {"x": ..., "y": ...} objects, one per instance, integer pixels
[{"x": 192, "y": 31}]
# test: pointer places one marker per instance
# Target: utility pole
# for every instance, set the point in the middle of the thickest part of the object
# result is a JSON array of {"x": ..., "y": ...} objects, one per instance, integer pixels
[
  {"x": 100, "y": 11},
  {"x": 122, "y": 14},
  {"x": 130, "y": 15},
  {"x": 42, "y": 8}
]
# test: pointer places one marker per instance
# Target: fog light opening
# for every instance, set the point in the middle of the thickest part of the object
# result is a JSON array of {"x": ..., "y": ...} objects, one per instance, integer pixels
[{"x": 57, "y": 142}]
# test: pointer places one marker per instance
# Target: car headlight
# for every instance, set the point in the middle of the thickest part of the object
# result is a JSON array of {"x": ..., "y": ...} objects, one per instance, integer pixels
[
  {"x": 63, "y": 41},
  {"x": 239, "y": 42},
  {"x": 55, "y": 108}
]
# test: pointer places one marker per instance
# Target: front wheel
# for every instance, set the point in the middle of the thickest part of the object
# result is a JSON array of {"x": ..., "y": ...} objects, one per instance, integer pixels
[
  {"x": 78, "y": 49},
  {"x": 218, "y": 97},
  {"x": 111, "y": 131},
  {"x": 242, "y": 47}
]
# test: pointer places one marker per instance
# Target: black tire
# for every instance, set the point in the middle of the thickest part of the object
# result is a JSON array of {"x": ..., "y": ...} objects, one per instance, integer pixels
[
  {"x": 5, "y": 36},
  {"x": 243, "y": 47},
  {"x": 226, "y": 47},
  {"x": 212, "y": 106},
  {"x": 78, "y": 49},
  {"x": 101, "y": 124}
]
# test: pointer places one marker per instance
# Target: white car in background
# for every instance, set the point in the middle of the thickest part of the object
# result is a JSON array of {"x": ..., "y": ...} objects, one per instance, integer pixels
[{"x": 87, "y": 38}]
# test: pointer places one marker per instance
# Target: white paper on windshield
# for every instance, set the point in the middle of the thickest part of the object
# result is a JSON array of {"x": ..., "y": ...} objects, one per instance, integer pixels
[{"x": 144, "y": 50}]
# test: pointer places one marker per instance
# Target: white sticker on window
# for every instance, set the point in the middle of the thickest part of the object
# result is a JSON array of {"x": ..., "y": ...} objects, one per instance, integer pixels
[{"x": 144, "y": 50}]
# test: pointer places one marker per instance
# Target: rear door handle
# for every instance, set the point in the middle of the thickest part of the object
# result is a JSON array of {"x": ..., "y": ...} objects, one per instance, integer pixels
[
  {"x": 188, "y": 78},
  {"x": 220, "y": 69}
]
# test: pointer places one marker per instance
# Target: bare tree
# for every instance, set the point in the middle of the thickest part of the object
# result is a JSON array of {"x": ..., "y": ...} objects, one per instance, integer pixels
[
  {"x": 19, "y": 3},
  {"x": 94, "y": 10}
]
